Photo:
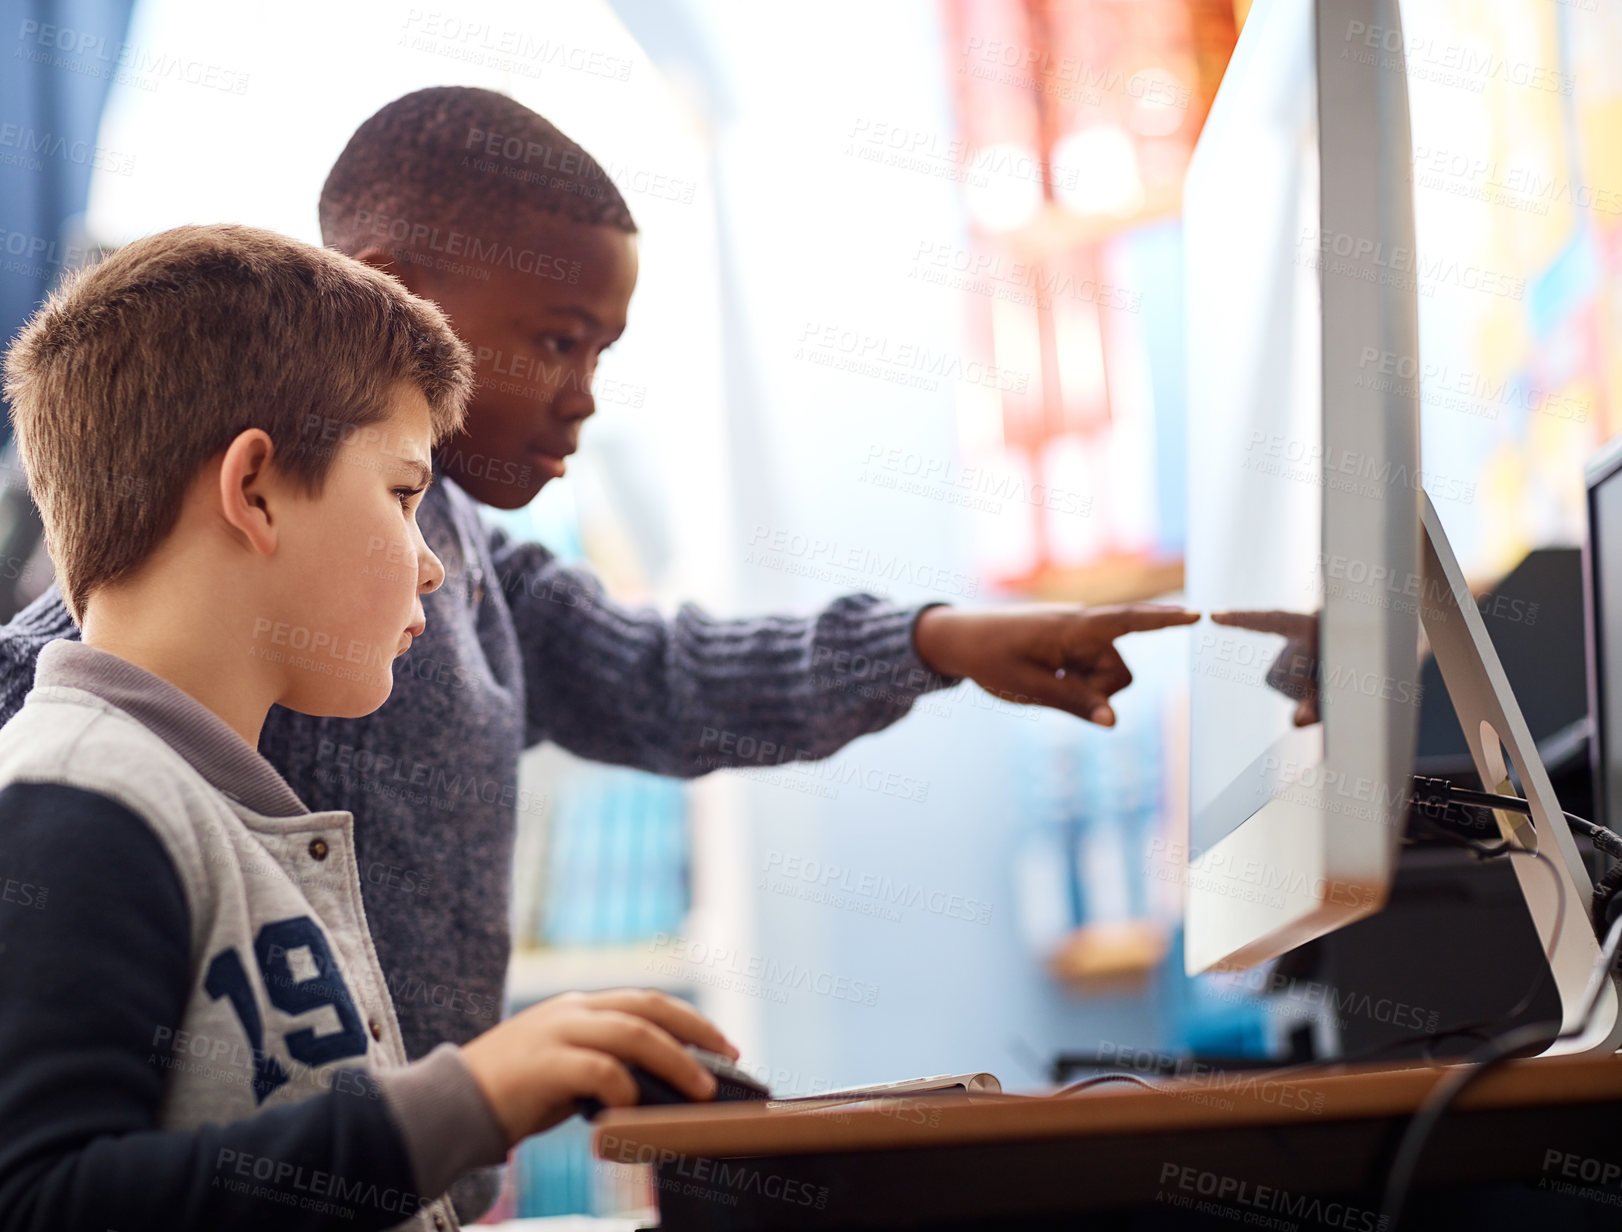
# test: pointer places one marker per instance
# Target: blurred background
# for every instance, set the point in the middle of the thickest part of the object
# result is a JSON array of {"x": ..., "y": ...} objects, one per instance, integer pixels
[{"x": 909, "y": 322}]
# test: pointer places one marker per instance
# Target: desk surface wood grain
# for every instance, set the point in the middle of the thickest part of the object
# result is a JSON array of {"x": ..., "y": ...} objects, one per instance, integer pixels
[{"x": 1232, "y": 1098}]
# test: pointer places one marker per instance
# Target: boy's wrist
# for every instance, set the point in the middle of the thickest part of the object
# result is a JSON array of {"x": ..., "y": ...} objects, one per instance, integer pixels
[
  {"x": 487, "y": 1071},
  {"x": 932, "y": 639},
  {"x": 446, "y": 1117}
]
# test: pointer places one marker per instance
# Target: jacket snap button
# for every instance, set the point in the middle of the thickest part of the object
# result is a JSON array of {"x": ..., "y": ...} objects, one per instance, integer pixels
[
  {"x": 318, "y": 848},
  {"x": 377, "y": 1029}
]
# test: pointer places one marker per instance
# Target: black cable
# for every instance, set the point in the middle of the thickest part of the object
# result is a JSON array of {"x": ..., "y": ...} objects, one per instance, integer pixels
[
  {"x": 1431, "y": 800},
  {"x": 1494, "y": 1052},
  {"x": 1486, "y": 852},
  {"x": 1098, "y": 1078},
  {"x": 1466, "y": 1028},
  {"x": 1542, "y": 973},
  {"x": 1433, "y": 796},
  {"x": 1483, "y": 852},
  {"x": 1606, "y": 892},
  {"x": 1430, "y": 1113},
  {"x": 1605, "y": 839}
]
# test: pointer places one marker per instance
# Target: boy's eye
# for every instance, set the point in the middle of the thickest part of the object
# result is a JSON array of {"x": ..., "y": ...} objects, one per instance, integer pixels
[
  {"x": 560, "y": 344},
  {"x": 405, "y": 495}
]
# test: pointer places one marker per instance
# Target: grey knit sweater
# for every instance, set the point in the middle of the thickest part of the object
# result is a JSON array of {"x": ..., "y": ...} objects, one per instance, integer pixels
[{"x": 519, "y": 649}]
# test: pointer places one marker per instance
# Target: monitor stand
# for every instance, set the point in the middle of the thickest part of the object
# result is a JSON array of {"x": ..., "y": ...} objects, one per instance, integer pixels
[{"x": 1493, "y": 727}]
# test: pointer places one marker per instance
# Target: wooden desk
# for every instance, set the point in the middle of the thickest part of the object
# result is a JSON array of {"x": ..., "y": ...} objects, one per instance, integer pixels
[{"x": 1308, "y": 1147}]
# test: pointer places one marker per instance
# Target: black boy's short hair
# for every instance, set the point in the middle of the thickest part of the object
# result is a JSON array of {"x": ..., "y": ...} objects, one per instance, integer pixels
[{"x": 456, "y": 158}]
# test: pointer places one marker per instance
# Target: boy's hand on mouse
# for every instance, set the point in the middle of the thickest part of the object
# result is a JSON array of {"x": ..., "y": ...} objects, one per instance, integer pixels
[
  {"x": 533, "y": 1066},
  {"x": 1060, "y": 654}
]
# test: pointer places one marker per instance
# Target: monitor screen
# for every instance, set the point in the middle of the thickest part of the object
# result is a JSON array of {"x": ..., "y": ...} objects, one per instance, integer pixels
[
  {"x": 1256, "y": 465},
  {"x": 1605, "y": 582}
]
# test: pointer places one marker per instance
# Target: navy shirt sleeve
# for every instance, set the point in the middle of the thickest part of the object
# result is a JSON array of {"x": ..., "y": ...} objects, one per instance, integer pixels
[{"x": 95, "y": 974}]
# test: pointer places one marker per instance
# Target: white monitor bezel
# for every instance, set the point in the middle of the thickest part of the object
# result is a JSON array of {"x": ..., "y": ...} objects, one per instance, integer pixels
[{"x": 1338, "y": 832}]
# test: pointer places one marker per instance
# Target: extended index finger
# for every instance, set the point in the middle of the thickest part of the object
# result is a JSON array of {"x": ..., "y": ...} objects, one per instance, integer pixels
[
  {"x": 1139, "y": 618},
  {"x": 1285, "y": 624}
]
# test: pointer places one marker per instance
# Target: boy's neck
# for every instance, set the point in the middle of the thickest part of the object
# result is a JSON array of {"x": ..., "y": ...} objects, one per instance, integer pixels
[{"x": 196, "y": 660}]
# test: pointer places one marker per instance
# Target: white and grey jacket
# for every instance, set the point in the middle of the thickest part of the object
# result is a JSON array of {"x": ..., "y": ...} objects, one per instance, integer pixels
[
  {"x": 520, "y": 648},
  {"x": 195, "y": 1031}
]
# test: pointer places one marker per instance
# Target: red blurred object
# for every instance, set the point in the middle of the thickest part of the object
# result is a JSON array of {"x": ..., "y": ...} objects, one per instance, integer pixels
[{"x": 1080, "y": 117}]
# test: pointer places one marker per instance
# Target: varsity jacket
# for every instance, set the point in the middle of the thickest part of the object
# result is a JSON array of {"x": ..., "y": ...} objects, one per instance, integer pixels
[
  {"x": 195, "y": 1031},
  {"x": 521, "y": 648}
]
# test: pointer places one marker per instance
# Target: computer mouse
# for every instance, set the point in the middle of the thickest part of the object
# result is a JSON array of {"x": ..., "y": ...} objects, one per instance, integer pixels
[{"x": 731, "y": 1084}]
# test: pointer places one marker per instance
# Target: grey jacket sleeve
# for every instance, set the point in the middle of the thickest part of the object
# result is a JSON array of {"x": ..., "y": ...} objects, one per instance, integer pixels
[{"x": 691, "y": 694}]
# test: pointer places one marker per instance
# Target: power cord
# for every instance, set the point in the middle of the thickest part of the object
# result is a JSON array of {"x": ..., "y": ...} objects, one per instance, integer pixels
[
  {"x": 1494, "y": 1052},
  {"x": 1441, "y": 803},
  {"x": 1433, "y": 800},
  {"x": 1431, "y": 795},
  {"x": 1468, "y": 1028},
  {"x": 1096, "y": 1079}
]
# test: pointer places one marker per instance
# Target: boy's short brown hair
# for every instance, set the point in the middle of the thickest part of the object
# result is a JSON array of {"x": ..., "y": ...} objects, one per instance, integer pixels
[{"x": 141, "y": 368}]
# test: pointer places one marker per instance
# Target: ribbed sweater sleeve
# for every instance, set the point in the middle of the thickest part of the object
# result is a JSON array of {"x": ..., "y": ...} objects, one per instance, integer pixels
[
  {"x": 686, "y": 695},
  {"x": 22, "y": 638}
]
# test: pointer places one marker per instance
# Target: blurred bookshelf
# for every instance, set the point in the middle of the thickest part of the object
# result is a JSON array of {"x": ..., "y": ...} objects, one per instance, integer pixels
[
  {"x": 601, "y": 879},
  {"x": 605, "y": 854},
  {"x": 538, "y": 973},
  {"x": 601, "y": 874},
  {"x": 1115, "y": 579},
  {"x": 1111, "y": 956},
  {"x": 555, "y": 1175}
]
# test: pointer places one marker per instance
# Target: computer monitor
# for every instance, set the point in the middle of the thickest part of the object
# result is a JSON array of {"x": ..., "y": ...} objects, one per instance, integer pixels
[
  {"x": 1304, "y": 483},
  {"x": 1602, "y": 594}
]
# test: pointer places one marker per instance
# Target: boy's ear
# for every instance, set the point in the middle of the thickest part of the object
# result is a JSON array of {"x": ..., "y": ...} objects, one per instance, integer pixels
[
  {"x": 247, "y": 488},
  {"x": 378, "y": 259},
  {"x": 381, "y": 259}
]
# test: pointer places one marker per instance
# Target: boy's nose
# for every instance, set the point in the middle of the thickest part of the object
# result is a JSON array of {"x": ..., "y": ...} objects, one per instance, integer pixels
[
  {"x": 574, "y": 405},
  {"x": 430, "y": 572}
]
